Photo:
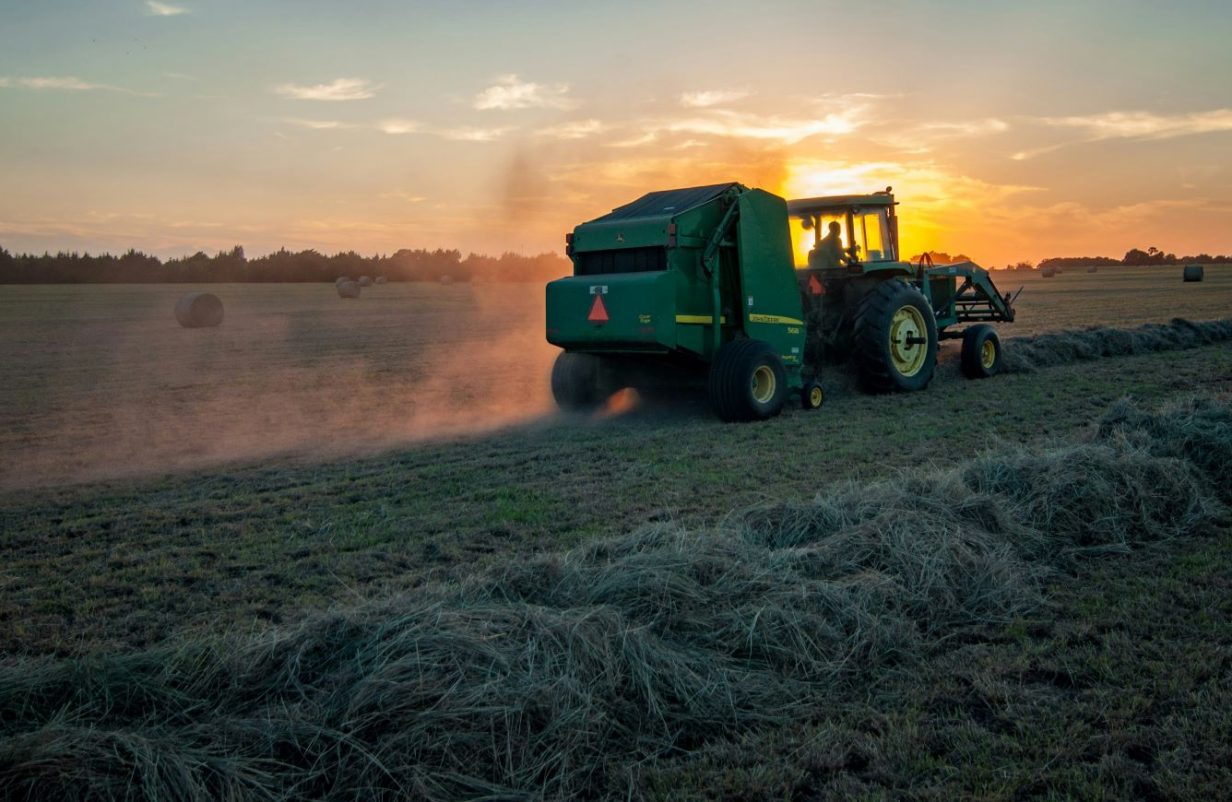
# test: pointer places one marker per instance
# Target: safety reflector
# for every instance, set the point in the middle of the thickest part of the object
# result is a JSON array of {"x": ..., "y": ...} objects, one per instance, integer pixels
[
  {"x": 598, "y": 312},
  {"x": 815, "y": 287}
]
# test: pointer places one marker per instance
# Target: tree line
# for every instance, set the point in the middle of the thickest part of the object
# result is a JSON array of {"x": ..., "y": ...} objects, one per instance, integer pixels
[
  {"x": 135, "y": 267},
  {"x": 1135, "y": 257}
]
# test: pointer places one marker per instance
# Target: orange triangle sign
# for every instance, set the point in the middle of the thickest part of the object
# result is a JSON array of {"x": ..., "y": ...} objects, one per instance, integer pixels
[
  {"x": 598, "y": 312},
  {"x": 815, "y": 286}
]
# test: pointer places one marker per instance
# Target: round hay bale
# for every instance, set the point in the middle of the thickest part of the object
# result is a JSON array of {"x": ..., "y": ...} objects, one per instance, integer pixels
[
  {"x": 1092, "y": 269},
  {"x": 379, "y": 280},
  {"x": 341, "y": 279},
  {"x": 198, "y": 310},
  {"x": 1192, "y": 273},
  {"x": 348, "y": 289},
  {"x": 1048, "y": 272},
  {"x": 364, "y": 281}
]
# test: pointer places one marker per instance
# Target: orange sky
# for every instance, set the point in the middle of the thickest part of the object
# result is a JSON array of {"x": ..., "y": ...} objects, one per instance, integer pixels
[{"x": 1009, "y": 131}]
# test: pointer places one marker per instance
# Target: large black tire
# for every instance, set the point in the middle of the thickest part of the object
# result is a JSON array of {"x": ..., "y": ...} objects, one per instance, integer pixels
[
  {"x": 981, "y": 352},
  {"x": 747, "y": 381},
  {"x": 890, "y": 321},
  {"x": 575, "y": 381}
]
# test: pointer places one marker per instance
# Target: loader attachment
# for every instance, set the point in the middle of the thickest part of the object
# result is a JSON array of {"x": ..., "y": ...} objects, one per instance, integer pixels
[{"x": 963, "y": 293}]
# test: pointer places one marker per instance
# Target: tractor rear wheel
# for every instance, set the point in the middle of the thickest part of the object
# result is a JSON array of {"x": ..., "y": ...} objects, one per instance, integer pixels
[
  {"x": 981, "y": 352},
  {"x": 747, "y": 381},
  {"x": 894, "y": 339},
  {"x": 575, "y": 381}
]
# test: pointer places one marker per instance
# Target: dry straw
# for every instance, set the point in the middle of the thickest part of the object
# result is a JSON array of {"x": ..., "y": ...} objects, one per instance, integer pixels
[
  {"x": 553, "y": 677},
  {"x": 1024, "y": 354}
]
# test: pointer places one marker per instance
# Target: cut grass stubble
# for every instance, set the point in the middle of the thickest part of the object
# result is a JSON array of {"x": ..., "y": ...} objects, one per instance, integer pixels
[{"x": 555, "y": 677}]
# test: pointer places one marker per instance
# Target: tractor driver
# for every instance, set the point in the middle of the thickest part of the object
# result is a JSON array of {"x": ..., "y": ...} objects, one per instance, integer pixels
[{"x": 828, "y": 252}]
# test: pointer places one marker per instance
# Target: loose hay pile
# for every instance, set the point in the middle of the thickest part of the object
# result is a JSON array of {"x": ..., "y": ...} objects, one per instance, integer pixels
[
  {"x": 199, "y": 310},
  {"x": 554, "y": 677},
  {"x": 1025, "y": 354}
]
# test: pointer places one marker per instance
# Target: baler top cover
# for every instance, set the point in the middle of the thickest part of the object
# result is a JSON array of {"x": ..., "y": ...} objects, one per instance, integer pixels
[{"x": 666, "y": 203}]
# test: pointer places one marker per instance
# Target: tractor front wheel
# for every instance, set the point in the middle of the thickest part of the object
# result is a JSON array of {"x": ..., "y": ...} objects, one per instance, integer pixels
[
  {"x": 747, "y": 381},
  {"x": 575, "y": 381},
  {"x": 981, "y": 352},
  {"x": 894, "y": 338}
]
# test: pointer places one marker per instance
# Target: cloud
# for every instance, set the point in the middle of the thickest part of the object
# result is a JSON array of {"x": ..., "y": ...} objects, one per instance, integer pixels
[
  {"x": 919, "y": 138},
  {"x": 398, "y": 126},
  {"x": 966, "y": 128},
  {"x": 339, "y": 89},
  {"x": 472, "y": 134},
  {"x": 712, "y": 97},
  {"x": 460, "y": 134},
  {"x": 1132, "y": 125},
  {"x": 577, "y": 129},
  {"x": 403, "y": 196},
  {"x": 67, "y": 83},
  {"x": 510, "y": 93},
  {"x": 832, "y": 116},
  {"x": 320, "y": 125},
  {"x": 156, "y": 9},
  {"x": 785, "y": 130},
  {"x": 1145, "y": 125}
]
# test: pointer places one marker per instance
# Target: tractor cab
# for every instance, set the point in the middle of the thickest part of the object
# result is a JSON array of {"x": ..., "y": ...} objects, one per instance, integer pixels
[{"x": 842, "y": 231}]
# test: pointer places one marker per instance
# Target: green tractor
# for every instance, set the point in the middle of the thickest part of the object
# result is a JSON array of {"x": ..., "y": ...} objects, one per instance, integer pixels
[{"x": 695, "y": 283}]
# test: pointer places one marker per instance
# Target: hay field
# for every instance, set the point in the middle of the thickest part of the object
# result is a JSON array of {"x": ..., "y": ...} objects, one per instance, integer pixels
[
  {"x": 1115, "y": 296},
  {"x": 1022, "y": 593},
  {"x": 100, "y": 382}
]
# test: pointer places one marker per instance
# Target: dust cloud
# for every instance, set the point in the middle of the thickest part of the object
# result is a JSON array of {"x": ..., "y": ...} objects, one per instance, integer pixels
[{"x": 102, "y": 384}]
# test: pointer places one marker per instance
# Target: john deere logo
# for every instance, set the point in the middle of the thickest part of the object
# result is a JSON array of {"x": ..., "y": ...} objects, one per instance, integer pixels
[{"x": 620, "y": 237}]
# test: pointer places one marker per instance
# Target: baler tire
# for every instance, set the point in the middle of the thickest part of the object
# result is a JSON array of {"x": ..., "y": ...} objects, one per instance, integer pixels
[
  {"x": 872, "y": 348},
  {"x": 981, "y": 352},
  {"x": 575, "y": 381},
  {"x": 743, "y": 369},
  {"x": 812, "y": 396}
]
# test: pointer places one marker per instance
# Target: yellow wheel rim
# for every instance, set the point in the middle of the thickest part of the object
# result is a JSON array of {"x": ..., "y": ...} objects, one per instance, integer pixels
[
  {"x": 988, "y": 354},
  {"x": 907, "y": 329},
  {"x": 764, "y": 384},
  {"x": 816, "y": 396}
]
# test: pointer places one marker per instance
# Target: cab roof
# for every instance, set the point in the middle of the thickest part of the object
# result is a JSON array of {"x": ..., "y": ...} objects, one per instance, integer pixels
[{"x": 876, "y": 199}]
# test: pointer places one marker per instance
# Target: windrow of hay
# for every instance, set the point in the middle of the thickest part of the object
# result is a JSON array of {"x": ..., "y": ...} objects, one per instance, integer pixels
[
  {"x": 555, "y": 677},
  {"x": 1025, "y": 354}
]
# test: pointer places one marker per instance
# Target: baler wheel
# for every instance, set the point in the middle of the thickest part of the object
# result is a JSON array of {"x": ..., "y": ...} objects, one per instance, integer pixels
[
  {"x": 747, "y": 381},
  {"x": 981, "y": 352},
  {"x": 575, "y": 381},
  {"x": 894, "y": 338},
  {"x": 812, "y": 396}
]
